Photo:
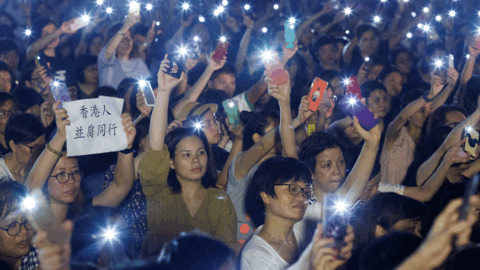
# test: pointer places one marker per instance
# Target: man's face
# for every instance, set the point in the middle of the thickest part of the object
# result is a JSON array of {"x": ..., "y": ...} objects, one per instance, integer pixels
[
  {"x": 224, "y": 82},
  {"x": 328, "y": 54},
  {"x": 11, "y": 58}
]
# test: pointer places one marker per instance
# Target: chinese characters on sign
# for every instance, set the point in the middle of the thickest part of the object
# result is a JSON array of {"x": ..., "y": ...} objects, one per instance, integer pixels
[{"x": 95, "y": 126}]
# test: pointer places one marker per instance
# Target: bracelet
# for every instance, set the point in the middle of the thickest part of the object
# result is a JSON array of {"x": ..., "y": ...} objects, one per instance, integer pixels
[
  {"x": 49, "y": 148},
  {"x": 424, "y": 96},
  {"x": 121, "y": 33},
  {"x": 127, "y": 151}
]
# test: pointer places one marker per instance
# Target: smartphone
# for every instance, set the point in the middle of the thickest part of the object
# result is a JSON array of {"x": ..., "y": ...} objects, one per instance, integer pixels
[
  {"x": 274, "y": 70},
  {"x": 469, "y": 192},
  {"x": 231, "y": 108},
  {"x": 354, "y": 88},
  {"x": 471, "y": 142},
  {"x": 148, "y": 93},
  {"x": 77, "y": 24},
  {"x": 177, "y": 64},
  {"x": 220, "y": 51},
  {"x": 351, "y": 104},
  {"x": 134, "y": 8},
  {"x": 60, "y": 92},
  {"x": 335, "y": 217},
  {"x": 41, "y": 61},
  {"x": 290, "y": 35},
  {"x": 450, "y": 61},
  {"x": 316, "y": 93},
  {"x": 42, "y": 217}
]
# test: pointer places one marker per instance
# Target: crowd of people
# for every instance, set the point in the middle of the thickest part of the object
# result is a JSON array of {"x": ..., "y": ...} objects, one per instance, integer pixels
[{"x": 275, "y": 186}]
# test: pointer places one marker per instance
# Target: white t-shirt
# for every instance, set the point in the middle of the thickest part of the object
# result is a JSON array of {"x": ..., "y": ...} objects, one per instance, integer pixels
[
  {"x": 4, "y": 171},
  {"x": 308, "y": 225},
  {"x": 259, "y": 255}
]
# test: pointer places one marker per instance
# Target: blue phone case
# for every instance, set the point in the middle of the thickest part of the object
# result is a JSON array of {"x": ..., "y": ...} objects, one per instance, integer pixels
[
  {"x": 232, "y": 112},
  {"x": 290, "y": 35},
  {"x": 365, "y": 117}
]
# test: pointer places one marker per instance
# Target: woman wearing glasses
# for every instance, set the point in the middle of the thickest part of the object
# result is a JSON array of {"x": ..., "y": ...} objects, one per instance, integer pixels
[
  {"x": 8, "y": 107},
  {"x": 60, "y": 175},
  {"x": 24, "y": 134},
  {"x": 16, "y": 233},
  {"x": 276, "y": 199}
]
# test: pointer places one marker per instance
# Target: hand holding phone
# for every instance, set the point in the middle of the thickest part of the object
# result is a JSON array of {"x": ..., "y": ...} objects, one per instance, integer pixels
[
  {"x": 220, "y": 51},
  {"x": 353, "y": 106},
  {"x": 147, "y": 90},
  {"x": 275, "y": 71},
  {"x": 335, "y": 217},
  {"x": 450, "y": 61},
  {"x": 316, "y": 93},
  {"x": 231, "y": 108},
  {"x": 41, "y": 61},
  {"x": 471, "y": 143},
  {"x": 60, "y": 92},
  {"x": 290, "y": 35},
  {"x": 176, "y": 64}
]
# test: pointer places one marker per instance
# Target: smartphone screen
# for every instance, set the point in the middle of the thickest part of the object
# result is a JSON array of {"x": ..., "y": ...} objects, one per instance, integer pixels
[
  {"x": 353, "y": 106},
  {"x": 60, "y": 92},
  {"x": 231, "y": 108},
  {"x": 335, "y": 218},
  {"x": 147, "y": 90},
  {"x": 290, "y": 35},
  {"x": 42, "y": 61},
  {"x": 472, "y": 142},
  {"x": 275, "y": 71},
  {"x": 220, "y": 51},
  {"x": 177, "y": 64},
  {"x": 354, "y": 88},
  {"x": 450, "y": 61},
  {"x": 316, "y": 93}
]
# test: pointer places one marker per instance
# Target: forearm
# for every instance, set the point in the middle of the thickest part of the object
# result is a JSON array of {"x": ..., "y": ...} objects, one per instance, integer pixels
[
  {"x": 348, "y": 51},
  {"x": 177, "y": 36},
  {"x": 242, "y": 51},
  {"x": 44, "y": 165},
  {"x": 193, "y": 93},
  {"x": 287, "y": 133},
  {"x": 320, "y": 123},
  {"x": 115, "y": 41},
  {"x": 440, "y": 99},
  {"x": 415, "y": 261},
  {"x": 41, "y": 44},
  {"x": 467, "y": 70},
  {"x": 432, "y": 185},
  {"x": 140, "y": 117},
  {"x": 257, "y": 90},
  {"x": 308, "y": 22},
  {"x": 182, "y": 86},
  {"x": 158, "y": 123},
  {"x": 396, "y": 126},
  {"x": 223, "y": 177}
]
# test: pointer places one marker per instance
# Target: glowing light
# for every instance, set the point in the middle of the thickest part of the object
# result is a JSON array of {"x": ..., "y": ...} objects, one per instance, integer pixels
[
  {"x": 347, "y": 11},
  {"x": 467, "y": 56},
  {"x": 367, "y": 59},
  {"x": 231, "y": 104},
  {"x": 157, "y": 23},
  {"x": 134, "y": 6},
  {"x": 198, "y": 125},
  {"x": 352, "y": 101},
  {"x": 383, "y": 1},
  {"x": 28, "y": 32},
  {"x": 420, "y": 25},
  {"x": 438, "y": 18},
  {"x": 468, "y": 129},
  {"x": 109, "y": 10},
  {"x": 85, "y": 18},
  {"x": 346, "y": 81},
  {"x": 427, "y": 28},
  {"x": 267, "y": 55},
  {"x": 426, "y": 9},
  {"x": 142, "y": 83},
  {"x": 264, "y": 30},
  {"x": 438, "y": 63},
  {"x": 224, "y": 3},
  {"x": 182, "y": 50},
  {"x": 478, "y": 13},
  {"x": 405, "y": 1},
  {"x": 341, "y": 206},
  {"x": 223, "y": 39},
  {"x": 110, "y": 234},
  {"x": 409, "y": 35},
  {"x": 292, "y": 20},
  {"x": 185, "y": 6},
  {"x": 377, "y": 19},
  {"x": 29, "y": 203},
  {"x": 247, "y": 7},
  {"x": 149, "y": 7},
  {"x": 452, "y": 13},
  {"x": 56, "y": 84},
  {"x": 196, "y": 39},
  {"x": 99, "y": 2},
  {"x": 414, "y": 14},
  {"x": 201, "y": 18},
  {"x": 347, "y": 32},
  {"x": 276, "y": 6}
]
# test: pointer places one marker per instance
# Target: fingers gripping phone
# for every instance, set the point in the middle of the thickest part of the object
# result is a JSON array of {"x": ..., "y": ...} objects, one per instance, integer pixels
[
  {"x": 60, "y": 92},
  {"x": 177, "y": 64},
  {"x": 220, "y": 51},
  {"x": 471, "y": 143},
  {"x": 335, "y": 218},
  {"x": 316, "y": 93},
  {"x": 353, "y": 106},
  {"x": 147, "y": 90},
  {"x": 275, "y": 71},
  {"x": 41, "y": 61},
  {"x": 289, "y": 35},
  {"x": 231, "y": 108}
]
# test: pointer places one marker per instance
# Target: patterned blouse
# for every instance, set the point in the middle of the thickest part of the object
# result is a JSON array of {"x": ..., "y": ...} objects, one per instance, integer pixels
[
  {"x": 29, "y": 261},
  {"x": 133, "y": 208}
]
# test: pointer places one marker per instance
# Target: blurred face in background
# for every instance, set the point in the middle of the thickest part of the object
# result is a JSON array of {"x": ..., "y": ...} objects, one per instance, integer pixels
[
  {"x": 48, "y": 30},
  {"x": 5, "y": 81},
  {"x": 224, "y": 82},
  {"x": 96, "y": 46},
  {"x": 368, "y": 43},
  {"x": 393, "y": 83},
  {"x": 11, "y": 58},
  {"x": 403, "y": 62},
  {"x": 91, "y": 74}
]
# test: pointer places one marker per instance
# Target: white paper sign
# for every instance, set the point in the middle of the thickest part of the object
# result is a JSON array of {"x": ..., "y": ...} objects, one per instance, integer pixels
[{"x": 95, "y": 126}]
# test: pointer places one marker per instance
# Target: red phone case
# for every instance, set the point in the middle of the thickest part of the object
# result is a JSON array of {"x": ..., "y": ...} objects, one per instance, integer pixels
[
  {"x": 220, "y": 51},
  {"x": 354, "y": 87},
  {"x": 316, "y": 93}
]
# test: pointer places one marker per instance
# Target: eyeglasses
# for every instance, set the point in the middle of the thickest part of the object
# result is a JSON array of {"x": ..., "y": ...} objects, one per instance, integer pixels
[
  {"x": 6, "y": 113},
  {"x": 63, "y": 177},
  {"x": 15, "y": 228},
  {"x": 296, "y": 189}
]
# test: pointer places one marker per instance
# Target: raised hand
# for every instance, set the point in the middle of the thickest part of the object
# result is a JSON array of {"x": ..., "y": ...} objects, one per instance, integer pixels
[
  {"x": 371, "y": 136},
  {"x": 62, "y": 120},
  {"x": 279, "y": 92},
  {"x": 45, "y": 116},
  {"x": 165, "y": 81},
  {"x": 248, "y": 21},
  {"x": 303, "y": 112},
  {"x": 326, "y": 258},
  {"x": 435, "y": 84},
  {"x": 452, "y": 75},
  {"x": 131, "y": 20},
  {"x": 289, "y": 53},
  {"x": 236, "y": 132},
  {"x": 141, "y": 105},
  {"x": 129, "y": 129},
  {"x": 456, "y": 154},
  {"x": 214, "y": 65},
  {"x": 175, "y": 124},
  {"x": 362, "y": 74},
  {"x": 53, "y": 257}
]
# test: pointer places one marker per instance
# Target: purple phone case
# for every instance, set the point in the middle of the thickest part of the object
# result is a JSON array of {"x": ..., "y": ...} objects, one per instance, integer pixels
[
  {"x": 365, "y": 117},
  {"x": 60, "y": 92}
]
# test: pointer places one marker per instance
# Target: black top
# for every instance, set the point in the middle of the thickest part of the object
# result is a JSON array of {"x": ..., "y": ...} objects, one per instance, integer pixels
[
  {"x": 3, "y": 151},
  {"x": 357, "y": 60},
  {"x": 220, "y": 157}
]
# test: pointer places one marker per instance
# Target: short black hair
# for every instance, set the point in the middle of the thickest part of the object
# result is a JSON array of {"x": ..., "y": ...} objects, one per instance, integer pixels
[
  {"x": 124, "y": 85},
  {"x": 323, "y": 41},
  {"x": 11, "y": 195},
  {"x": 370, "y": 86},
  {"x": 106, "y": 91},
  {"x": 27, "y": 98},
  {"x": 273, "y": 171},
  {"x": 386, "y": 71},
  {"x": 389, "y": 251},
  {"x": 142, "y": 128},
  {"x": 329, "y": 75},
  {"x": 362, "y": 29},
  {"x": 392, "y": 57},
  {"x": 315, "y": 144},
  {"x": 23, "y": 128},
  {"x": 256, "y": 123},
  {"x": 4, "y": 97},
  {"x": 227, "y": 69},
  {"x": 82, "y": 62},
  {"x": 7, "y": 45}
]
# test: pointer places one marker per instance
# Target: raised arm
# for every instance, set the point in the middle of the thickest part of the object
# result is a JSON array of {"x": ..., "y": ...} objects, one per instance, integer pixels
[
  {"x": 178, "y": 36},
  {"x": 348, "y": 50},
  {"x": 124, "y": 175},
  {"x": 466, "y": 73},
  {"x": 326, "y": 9},
  {"x": 243, "y": 50},
  {"x": 43, "y": 42},
  {"x": 445, "y": 93},
  {"x": 113, "y": 43},
  {"x": 257, "y": 90},
  {"x": 46, "y": 162},
  {"x": 194, "y": 92},
  {"x": 358, "y": 177},
  {"x": 158, "y": 123},
  {"x": 237, "y": 138}
]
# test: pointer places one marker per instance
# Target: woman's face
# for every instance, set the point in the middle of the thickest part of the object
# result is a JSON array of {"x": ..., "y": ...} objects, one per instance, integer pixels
[
  {"x": 5, "y": 81},
  {"x": 190, "y": 161},
  {"x": 48, "y": 30},
  {"x": 14, "y": 246},
  {"x": 352, "y": 134},
  {"x": 393, "y": 83},
  {"x": 368, "y": 43},
  {"x": 126, "y": 45},
  {"x": 377, "y": 102},
  {"x": 7, "y": 109},
  {"x": 330, "y": 170},
  {"x": 337, "y": 86},
  {"x": 453, "y": 118},
  {"x": 23, "y": 151},
  {"x": 91, "y": 74},
  {"x": 330, "y": 100},
  {"x": 66, "y": 192},
  {"x": 96, "y": 46},
  {"x": 418, "y": 118},
  {"x": 11, "y": 58},
  {"x": 286, "y": 205},
  {"x": 211, "y": 128},
  {"x": 403, "y": 62}
]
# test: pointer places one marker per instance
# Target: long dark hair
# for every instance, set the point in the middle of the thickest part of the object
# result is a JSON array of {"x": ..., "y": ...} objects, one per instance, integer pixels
[
  {"x": 172, "y": 139},
  {"x": 255, "y": 123}
]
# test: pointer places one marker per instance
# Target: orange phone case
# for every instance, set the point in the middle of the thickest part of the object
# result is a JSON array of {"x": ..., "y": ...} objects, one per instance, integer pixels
[{"x": 316, "y": 93}]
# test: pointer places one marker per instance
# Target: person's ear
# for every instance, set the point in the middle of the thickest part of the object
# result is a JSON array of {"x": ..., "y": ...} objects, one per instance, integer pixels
[
  {"x": 265, "y": 198},
  {"x": 171, "y": 164},
  {"x": 379, "y": 231},
  {"x": 13, "y": 146},
  {"x": 256, "y": 137}
]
